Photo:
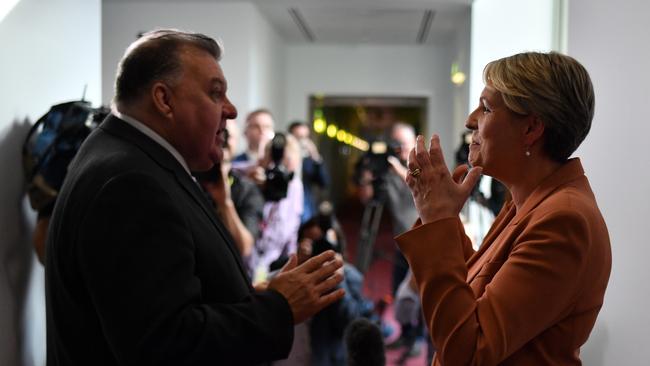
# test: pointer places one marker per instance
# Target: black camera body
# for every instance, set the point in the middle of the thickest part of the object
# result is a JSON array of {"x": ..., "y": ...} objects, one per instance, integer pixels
[
  {"x": 277, "y": 176},
  {"x": 50, "y": 146},
  {"x": 375, "y": 160}
]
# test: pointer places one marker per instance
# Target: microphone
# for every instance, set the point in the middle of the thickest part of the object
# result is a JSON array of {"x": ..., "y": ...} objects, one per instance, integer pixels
[{"x": 364, "y": 344}]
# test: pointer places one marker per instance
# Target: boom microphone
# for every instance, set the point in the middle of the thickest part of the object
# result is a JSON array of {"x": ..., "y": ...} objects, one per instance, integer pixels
[{"x": 364, "y": 344}]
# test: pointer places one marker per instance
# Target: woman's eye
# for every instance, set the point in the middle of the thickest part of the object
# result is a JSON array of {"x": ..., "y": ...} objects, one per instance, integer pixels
[{"x": 486, "y": 110}]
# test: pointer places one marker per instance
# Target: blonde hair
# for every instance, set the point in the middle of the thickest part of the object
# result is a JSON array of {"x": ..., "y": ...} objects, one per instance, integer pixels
[{"x": 555, "y": 87}]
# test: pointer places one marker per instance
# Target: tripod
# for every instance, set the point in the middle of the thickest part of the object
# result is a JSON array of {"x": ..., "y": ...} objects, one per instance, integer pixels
[{"x": 369, "y": 227}]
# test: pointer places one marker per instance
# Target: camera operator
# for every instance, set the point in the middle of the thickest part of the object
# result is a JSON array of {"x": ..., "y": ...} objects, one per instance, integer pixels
[
  {"x": 320, "y": 233},
  {"x": 389, "y": 186},
  {"x": 382, "y": 178},
  {"x": 328, "y": 326},
  {"x": 237, "y": 199},
  {"x": 283, "y": 194},
  {"x": 49, "y": 148}
]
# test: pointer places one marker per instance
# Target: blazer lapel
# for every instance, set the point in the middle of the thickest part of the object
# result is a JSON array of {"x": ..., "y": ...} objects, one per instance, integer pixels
[
  {"x": 500, "y": 223},
  {"x": 167, "y": 161},
  {"x": 510, "y": 216}
]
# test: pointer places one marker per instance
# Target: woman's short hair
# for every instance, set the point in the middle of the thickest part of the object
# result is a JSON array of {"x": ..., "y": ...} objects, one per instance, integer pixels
[
  {"x": 155, "y": 56},
  {"x": 555, "y": 87}
]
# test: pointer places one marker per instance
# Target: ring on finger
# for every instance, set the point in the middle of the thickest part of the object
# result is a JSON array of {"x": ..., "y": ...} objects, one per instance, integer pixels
[{"x": 415, "y": 172}]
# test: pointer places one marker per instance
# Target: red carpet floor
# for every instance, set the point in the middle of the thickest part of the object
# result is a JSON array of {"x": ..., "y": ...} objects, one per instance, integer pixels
[{"x": 378, "y": 278}]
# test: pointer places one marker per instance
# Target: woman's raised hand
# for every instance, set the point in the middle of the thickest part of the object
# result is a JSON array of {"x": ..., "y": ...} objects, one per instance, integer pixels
[{"x": 436, "y": 193}]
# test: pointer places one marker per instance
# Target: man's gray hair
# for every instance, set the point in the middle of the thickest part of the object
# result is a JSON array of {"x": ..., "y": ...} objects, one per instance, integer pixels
[{"x": 155, "y": 56}]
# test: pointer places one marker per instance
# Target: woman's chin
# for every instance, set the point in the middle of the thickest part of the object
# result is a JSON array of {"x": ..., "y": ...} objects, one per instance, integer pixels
[{"x": 474, "y": 162}]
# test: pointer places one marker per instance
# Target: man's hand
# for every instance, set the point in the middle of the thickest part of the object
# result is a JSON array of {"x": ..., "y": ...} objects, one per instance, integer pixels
[{"x": 308, "y": 287}]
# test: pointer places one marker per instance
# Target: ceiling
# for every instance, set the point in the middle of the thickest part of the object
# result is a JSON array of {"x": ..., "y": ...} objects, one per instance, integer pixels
[{"x": 361, "y": 21}]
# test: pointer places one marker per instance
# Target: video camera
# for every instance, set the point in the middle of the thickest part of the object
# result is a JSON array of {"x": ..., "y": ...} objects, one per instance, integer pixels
[
  {"x": 50, "y": 146},
  {"x": 375, "y": 160},
  {"x": 277, "y": 176},
  {"x": 325, "y": 221}
]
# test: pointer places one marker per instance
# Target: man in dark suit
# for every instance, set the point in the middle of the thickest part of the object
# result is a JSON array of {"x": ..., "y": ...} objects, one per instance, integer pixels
[{"x": 139, "y": 271}]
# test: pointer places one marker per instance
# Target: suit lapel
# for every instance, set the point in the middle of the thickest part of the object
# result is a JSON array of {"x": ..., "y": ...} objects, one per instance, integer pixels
[
  {"x": 500, "y": 223},
  {"x": 167, "y": 161},
  {"x": 568, "y": 172}
]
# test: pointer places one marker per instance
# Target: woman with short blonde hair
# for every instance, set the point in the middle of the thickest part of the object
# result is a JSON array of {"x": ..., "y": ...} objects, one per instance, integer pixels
[{"x": 531, "y": 294}]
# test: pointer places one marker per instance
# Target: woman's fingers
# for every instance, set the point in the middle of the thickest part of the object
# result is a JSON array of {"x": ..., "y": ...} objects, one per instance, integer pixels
[
  {"x": 421, "y": 154},
  {"x": 470, "y": 181},
  {"x": 459, "y": 173},
  {"x": 411, "y": 163},
  {"x": 437, "y": 193},
  {"x": 436, "y": 157},
  {"x": 423, "y": 158}
]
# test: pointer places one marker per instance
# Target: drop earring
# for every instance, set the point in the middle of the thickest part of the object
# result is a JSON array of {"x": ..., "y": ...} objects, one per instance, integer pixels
[{"x": 527, "y": 152}]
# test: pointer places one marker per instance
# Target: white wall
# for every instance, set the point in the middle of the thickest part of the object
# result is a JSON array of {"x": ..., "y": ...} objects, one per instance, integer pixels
[
  {"x": 461, "y": 45},
  {"x": 50, "y": 50},
  {"x": 611, "y": 40},
  {"x": 252, "y": 49},
  {"x": 268, "y": 71},
  {"x": 368, "y": 70},
  {"x": 504, "y": 27}
]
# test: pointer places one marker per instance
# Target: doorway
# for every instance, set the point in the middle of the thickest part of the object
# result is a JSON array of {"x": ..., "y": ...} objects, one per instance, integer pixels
[{"x": 362, "y": 120}]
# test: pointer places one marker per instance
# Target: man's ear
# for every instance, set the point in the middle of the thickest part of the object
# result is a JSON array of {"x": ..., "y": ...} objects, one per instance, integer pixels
[
  {"x": 534, "y": 129},
  {"x": 161, "y": 96}
]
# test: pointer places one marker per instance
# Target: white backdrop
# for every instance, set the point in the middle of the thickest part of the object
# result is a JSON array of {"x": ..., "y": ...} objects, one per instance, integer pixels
[
  {"x": 611, "y": 39},
  {"x": 50, "y": 51}
]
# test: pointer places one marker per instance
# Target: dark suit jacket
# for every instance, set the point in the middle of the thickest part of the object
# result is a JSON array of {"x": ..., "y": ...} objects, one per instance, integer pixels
[
  {"x": 530, "y": 295},
  {"x": 141, "y": 272}
]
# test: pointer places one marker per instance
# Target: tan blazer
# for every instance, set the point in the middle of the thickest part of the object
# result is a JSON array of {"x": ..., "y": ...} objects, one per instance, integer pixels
[{"x": 530, "y": 295}]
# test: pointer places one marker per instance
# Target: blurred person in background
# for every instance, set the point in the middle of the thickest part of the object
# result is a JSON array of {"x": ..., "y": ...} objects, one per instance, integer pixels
[
  {"x": 315, "y": 179},
  {"x": 394, "y": 193},
  {"x": 237, "y": 199},
  {"x": 259, "y": 129},
  {"x": 283, "y": 195},
  {"x": 324, "y": 342}
]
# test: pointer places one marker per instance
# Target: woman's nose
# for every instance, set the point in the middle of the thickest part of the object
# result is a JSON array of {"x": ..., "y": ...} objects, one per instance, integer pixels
[{"x": 472, "y": 120}]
